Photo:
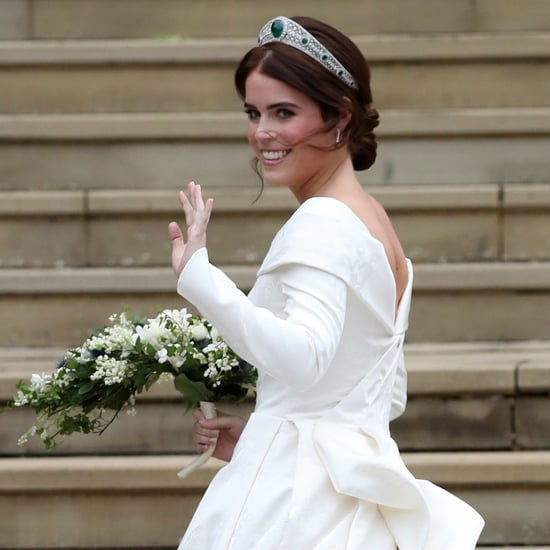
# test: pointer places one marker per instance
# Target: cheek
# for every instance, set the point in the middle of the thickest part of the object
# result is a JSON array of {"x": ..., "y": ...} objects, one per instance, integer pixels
[
  {"x": 305, "y": 133},
  {"x": 295, "y": 131}
]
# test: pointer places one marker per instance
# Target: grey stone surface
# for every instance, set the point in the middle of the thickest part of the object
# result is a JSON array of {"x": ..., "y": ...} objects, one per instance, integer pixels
[
  {"x": 71, "y": 496},
  {"x": 131, "y": 18},
  {"x": 208, "y": 86},
  {"x": 533, "y": 421},
  {"x": 151, "y": 164},
  {"x": 455, "y": 424},
  {"x": 15, "y": 19},
  {"x": 513, "y": 515}
]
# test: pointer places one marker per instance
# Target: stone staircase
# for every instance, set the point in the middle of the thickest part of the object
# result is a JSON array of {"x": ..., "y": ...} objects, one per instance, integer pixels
[
  {"x": 477, "y": 423},
  {"x": 108, "y": 108}
]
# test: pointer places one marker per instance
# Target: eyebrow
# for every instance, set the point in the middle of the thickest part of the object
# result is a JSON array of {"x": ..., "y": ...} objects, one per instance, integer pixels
[{"x": 284, "y": 104}]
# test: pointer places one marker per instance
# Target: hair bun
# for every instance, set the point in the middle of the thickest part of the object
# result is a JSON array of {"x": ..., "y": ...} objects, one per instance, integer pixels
[{"x": 363, "y": 144}]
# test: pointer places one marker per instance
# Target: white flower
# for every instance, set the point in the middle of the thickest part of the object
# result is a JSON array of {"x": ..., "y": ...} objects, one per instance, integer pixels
[
  {"x": 152, "y": 333},
  {"x": 210, "y": 348},
  {"x": 111, "y": 371},
  {"x": 176, "y": 361},
  {"x": 61, "y": 377},
  {"x": 162, "y": 355},
  {"x": 37, "y": 379},
  {"x": 20, "y": 399},
  {"x": 131, "y": 406},
  {"x": 39, "y": 382},
  {"x": 179, "y": 316},
  {"x": 199, "y": 332},
  {"x": 85, "y": 355}
]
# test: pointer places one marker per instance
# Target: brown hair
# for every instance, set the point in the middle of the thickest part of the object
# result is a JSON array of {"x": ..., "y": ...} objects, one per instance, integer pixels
[{"x": 298, "y": 70}]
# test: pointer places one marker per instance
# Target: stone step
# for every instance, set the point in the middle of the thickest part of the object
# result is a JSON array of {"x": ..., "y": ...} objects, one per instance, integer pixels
[
  {"x": 119, "y": 227},
  {"x": 461, "y": 397},
  {"x": 61, "y": 19},
  {"x": 60, "y": 502},
  {"x": 160, "y": 150},
  {"x": 490, "y": 301},
  {"x": 422, "y": 72}
]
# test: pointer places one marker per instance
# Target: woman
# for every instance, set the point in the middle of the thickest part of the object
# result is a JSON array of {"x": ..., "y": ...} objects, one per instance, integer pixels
[{"x": 315, "y": 466}]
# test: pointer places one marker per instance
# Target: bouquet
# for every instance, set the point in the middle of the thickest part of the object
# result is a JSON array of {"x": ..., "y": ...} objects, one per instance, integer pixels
[{"x": 93, "y": 383}]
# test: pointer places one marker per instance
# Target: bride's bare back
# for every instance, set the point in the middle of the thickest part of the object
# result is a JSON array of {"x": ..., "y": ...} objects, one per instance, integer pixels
[{"x": 373, "y": 215}]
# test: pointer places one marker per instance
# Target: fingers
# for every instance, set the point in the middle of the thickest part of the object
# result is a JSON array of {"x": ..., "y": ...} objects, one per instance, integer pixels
[
  {"x": 219, "y": 423},
  {"x": 194, "y": 205},
  {"x": 178, "y": 246},
  {"x": 208, "y": 431},
  {"x": 197, "y": 215},
  {"x": 208, "y": 208},
  {"x": 194, "y": 200},
  {"x": 175, "y": 234},
  {"x": 201, "y": 447},
  {"x": 196, "y": 194},
  {"x": 198, "y": 415},
  {"x": 204, "y": 437},
  {"x": 188, "y": 209},
  {"x": 200, "y": 206}
]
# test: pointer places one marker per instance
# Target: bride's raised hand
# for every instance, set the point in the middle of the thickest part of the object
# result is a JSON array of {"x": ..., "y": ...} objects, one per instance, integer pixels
[{"x": 197, "y": 214}]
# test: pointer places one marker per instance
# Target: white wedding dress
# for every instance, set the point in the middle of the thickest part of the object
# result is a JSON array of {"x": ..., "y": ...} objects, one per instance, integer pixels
[{"x": 316, "y": 468}]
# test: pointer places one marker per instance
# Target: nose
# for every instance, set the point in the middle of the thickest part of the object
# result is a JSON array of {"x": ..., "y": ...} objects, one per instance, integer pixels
[{"x": 263, "y": 130}]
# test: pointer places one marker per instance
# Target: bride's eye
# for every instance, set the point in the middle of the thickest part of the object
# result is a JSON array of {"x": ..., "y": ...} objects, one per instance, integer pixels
[
  {"x": 252, "y": 114},
  {"x": 285, "y": 113}
]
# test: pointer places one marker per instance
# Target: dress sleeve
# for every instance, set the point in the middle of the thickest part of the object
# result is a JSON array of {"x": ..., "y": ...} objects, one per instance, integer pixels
[{"x": 295, "y": 348}]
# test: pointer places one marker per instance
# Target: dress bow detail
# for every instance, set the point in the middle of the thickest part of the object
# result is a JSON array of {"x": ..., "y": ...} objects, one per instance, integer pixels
[{"x": 363, "y": 461}]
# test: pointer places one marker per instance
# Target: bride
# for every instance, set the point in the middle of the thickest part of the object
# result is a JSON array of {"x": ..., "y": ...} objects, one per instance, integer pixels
[{"x": 315, "y": 466}]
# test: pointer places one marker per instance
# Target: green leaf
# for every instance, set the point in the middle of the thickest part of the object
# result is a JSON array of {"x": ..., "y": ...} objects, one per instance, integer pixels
[
  {"x": 194, "y": 392},
  {"x": 86, "y": 387},
  {"x": 150, "y": 351},
  {"x": 151, "y": 380},
  {"x": 139, "y": 345}
]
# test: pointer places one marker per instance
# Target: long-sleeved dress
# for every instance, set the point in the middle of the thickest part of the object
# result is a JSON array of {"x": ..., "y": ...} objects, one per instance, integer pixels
[{"x": 316, "y": 467}]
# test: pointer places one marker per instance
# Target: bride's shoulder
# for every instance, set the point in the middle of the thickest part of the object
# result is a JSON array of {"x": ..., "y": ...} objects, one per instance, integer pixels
[
  {"x": 327, "y": 213},
  {"x": 324, "y": 233}
]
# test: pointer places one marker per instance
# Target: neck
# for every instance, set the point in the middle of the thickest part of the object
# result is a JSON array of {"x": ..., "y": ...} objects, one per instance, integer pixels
[{"x": 328, "y": 183}]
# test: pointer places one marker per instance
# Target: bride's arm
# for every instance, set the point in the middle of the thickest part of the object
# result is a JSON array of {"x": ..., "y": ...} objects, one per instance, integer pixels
[{"x": 296, "y": 349}]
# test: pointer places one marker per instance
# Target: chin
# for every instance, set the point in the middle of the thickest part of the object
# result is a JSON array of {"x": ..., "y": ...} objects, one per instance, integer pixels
[{"x": 273, "y": 179}]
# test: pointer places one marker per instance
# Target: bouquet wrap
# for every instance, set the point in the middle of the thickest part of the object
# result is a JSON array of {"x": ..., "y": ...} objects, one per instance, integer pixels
[{"x": 209, "y": 411}]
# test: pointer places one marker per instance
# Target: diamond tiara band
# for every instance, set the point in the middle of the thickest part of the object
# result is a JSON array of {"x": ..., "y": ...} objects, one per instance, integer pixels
[{"x": 283, "y": 29}]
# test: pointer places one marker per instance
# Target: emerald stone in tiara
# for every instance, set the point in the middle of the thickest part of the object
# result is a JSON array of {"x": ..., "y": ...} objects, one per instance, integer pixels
[{"x": 285, "y": 30}]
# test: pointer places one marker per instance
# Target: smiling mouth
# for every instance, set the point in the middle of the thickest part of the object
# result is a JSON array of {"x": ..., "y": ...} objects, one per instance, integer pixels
[{"x": 274, "y": 155}]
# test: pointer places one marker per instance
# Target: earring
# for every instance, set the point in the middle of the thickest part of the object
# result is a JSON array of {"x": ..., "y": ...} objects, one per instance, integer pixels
[{"x": 337, "y": 136}]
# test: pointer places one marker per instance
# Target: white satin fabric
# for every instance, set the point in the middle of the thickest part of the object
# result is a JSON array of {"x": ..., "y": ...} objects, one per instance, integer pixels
[{"x": 316, "y": 467}]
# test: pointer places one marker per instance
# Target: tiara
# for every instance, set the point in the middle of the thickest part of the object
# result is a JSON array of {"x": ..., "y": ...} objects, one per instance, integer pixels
[{"x": 287, "y": 31}]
